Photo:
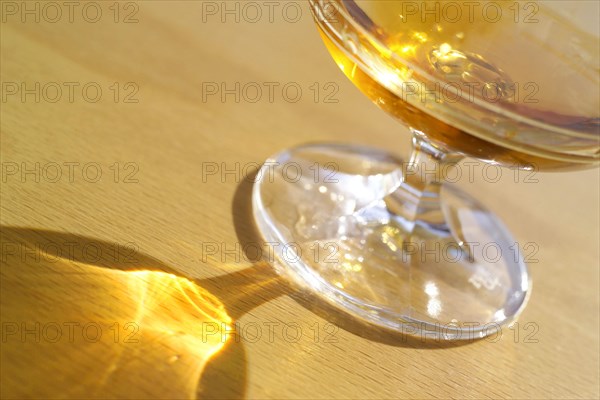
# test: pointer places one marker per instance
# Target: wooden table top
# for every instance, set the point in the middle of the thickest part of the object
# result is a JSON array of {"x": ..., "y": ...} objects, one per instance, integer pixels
[{"x": 125, "y": 215}]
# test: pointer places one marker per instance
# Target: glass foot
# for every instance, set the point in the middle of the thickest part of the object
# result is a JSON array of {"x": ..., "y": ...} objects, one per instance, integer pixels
[{"x": 330, "y": 214}]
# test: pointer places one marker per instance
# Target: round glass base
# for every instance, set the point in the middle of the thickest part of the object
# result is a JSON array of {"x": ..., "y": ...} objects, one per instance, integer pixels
[{"x": 327, "y": 211}]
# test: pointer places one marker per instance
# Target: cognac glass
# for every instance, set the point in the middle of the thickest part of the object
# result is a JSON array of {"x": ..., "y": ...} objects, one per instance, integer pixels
[{"x": 513, "y": 84}]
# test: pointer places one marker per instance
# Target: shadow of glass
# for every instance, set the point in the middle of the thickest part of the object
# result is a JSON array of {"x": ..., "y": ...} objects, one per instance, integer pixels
[
  {"x": 107, "y": 321},
  {"x": 248, "y": 236},
  {"x": 104, "y": 320}
]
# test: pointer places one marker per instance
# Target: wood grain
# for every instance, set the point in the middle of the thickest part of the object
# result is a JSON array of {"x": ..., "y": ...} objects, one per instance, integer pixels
[{"x": 159, "y": 213}]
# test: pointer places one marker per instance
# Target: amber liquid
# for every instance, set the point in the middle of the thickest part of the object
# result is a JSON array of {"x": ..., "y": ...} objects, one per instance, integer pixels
[{"x": 436, "y": 130}]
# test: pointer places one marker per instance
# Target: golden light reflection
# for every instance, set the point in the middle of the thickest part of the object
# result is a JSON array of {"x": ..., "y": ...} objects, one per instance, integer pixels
[
  {"x": 421, "y": 37},
  {"x": 353, "y": 72},
  {"x": 445, "y": 48},
  {"x": 181, "y": 326},
  {"x": 98, "y": 329},
  {"x": 173, "y": 305},
  {"x": 172, "y": 317},
  {"x": 389, "y": 79},
  {"x": 389, "y": 237}
]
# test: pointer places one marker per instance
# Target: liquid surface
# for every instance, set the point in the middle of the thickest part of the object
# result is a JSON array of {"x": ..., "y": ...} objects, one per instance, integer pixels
[{"x": 514, "y": 91}]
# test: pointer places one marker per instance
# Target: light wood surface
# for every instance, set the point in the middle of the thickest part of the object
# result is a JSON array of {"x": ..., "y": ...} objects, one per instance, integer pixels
[{"x": 161, "y": 215}]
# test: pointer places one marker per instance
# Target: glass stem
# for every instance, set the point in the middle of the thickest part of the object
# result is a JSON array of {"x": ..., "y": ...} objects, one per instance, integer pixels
[{"x": 417, "y": 200}]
